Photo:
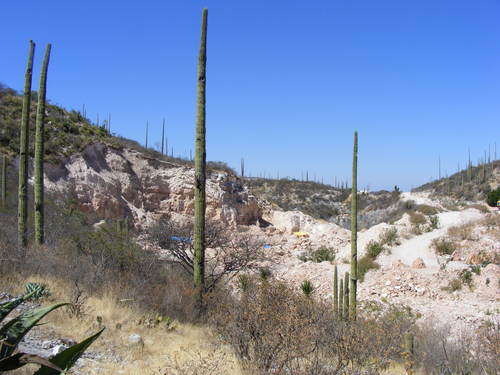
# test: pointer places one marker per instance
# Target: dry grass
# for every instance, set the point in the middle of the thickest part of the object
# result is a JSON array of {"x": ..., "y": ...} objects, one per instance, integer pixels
[
  {"x": 462, "y": 232},
  {"x": 182, "y": 350}
]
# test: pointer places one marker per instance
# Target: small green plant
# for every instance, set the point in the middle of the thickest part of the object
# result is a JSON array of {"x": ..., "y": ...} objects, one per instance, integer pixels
[
  {"x": 365, "y": 264},
  {"x": 454, "y": 285},
  {"x": 37, "y": 290},
  {"x": 434, "y": 222},
  {"x": 493, "y": 197},
  {"x": 243, "y": 282},
  {"x": 307, "y": 288},
  {"x": 410, "y": 204},
  {"x": 322, "y": 254},
  {"x": 443, "y": 246},
  {"x": 389, "y": 237},
  {"x": 13, "y": 332},
  {"x": 475, "y": 269},
  {"x": 373, "y": 249},
  {"x": 466, "y": 277},
  {"x": 265, "y": 273}
]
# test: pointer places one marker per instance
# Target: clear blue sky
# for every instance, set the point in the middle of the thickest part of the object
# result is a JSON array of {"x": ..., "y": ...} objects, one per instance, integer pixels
[{"x": 287, "y": 81}]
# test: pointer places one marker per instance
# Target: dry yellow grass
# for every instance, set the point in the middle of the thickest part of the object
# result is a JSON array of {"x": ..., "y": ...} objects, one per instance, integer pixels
[{"x": 183, "y": 350}]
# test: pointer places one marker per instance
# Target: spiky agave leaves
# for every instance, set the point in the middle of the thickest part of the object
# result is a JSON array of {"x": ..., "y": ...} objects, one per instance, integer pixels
[{"x": 13, "y": 332}]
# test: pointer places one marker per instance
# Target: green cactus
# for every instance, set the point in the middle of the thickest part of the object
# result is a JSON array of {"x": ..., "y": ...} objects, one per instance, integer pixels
[
  {"x": 408, "y": 353},
  {"x": 22, "y": 212},
  {"x": 335, "y": 292},
  {"x": 163, "y": 137},
  {"x": 39, "y": 150},
  {"x": 346, "y": 296},
  {"x": 200, "y": 171},
  {"x": 341, "y": 299},
  {"x": 4, "y": 181},
  {"x": 354, "y": 231}
]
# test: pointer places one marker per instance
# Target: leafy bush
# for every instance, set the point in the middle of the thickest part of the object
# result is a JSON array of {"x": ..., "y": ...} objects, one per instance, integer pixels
[
  {"x": 427, "y": 210},
  {"x": 365, "y": 264},
  {"x": 389, "y": 237},
  {"x": 373, "y": 249},
  {"x": 322, "y": 254},
  {"x": 493, "y": 197},
  {"x": 443, "y": 246},
  {"x": 434, "y": 222}
]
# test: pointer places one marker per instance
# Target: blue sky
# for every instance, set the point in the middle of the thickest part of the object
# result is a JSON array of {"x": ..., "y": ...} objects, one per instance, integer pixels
[{"x": 288, "y": 82}]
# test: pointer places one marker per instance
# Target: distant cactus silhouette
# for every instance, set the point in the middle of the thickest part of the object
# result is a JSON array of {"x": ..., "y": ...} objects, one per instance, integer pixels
[
  {"x": 354, "y": 231},
  {"x": 4, "y": 181}
]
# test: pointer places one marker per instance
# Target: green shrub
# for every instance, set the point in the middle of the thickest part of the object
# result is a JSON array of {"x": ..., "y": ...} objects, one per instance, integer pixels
[
  {"x": 322, "y": 254},
  {"x": 307, "y": 288},
  {"x": 427, "y": 210},
  {"x": 466, "y": 277},
  {"x": 454, "y": 285},
  {"x": 493, "y": 197},
  {"x": 365, "y": 264},
  {"x": 443, "y": 246},
  {"x": 373, "y": 249},
  {"x": 434, "y": 222},
  {"x": 410, "y": 205},
  {"x": 389, "y": 237}
]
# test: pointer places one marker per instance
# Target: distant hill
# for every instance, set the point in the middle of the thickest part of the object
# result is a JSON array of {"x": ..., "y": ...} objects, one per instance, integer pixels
[{"x": 473, "y": 183}]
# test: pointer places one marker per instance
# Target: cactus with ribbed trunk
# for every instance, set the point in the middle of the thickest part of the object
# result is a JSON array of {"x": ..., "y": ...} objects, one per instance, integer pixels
[
  {"x": 354, "y": 231},
  {"x": 22, "y": 212},
  {"x": 4, "y": 181},
  {"x": 335, "y": 292},
  {"x": 341, "y": 299},
  {"x": 39, "y": 150},
  {"x": 346, "y": 296},
  {"x": 200, "y": 171}
]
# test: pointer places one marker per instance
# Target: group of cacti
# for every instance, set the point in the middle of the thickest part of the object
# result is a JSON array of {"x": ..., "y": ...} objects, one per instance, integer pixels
[
  {"x": 39, "y": 152},
  {"x": 341, "y": 299}
]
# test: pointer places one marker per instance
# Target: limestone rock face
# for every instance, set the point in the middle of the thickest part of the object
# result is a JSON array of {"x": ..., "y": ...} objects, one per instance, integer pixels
[{"x": 117, "y": 183}]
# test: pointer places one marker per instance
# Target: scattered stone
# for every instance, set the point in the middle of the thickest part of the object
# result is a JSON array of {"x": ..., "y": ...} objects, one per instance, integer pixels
[
  {"x": 135, "y": 339},
  {"x": 418, "y": 263}
]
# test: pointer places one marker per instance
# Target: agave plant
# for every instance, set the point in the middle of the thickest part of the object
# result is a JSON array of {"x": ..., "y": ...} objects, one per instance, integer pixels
[{"x": 12, "y": 333}]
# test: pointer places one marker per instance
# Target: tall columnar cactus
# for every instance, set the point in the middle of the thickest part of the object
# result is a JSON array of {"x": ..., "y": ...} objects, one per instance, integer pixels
[
  {"x": 200, "y": 170},
  {"x": 242, "y": 165},
  {"x": 147, "y": 127},
  {"x": 163, "y": 137},
  {"x": 335, "y": 292},
  {"x": 39, "y": 150},
  {"x": 341, "y": 299},
  {"x": 22, "y": 212},
  {"x": 354, "y": 231},
  {"x": 408, "y": 353},
  {"x": 346, "y": 296},
  {"x": 4, "y": 181}
]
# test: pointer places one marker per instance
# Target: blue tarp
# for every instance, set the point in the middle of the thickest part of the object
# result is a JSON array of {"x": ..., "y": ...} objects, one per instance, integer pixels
[
  {"x": 266, "y": 246},
  {"x": 180, "y": 239}
]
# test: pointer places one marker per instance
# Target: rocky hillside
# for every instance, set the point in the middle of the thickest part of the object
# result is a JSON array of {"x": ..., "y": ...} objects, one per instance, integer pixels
[
  {"x": 473, "y": 183},
  {"x": 325, "y": 202}
]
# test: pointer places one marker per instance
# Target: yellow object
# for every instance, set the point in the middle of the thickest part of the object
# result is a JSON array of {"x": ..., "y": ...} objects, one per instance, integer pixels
[{"x": 301, "y": 234}]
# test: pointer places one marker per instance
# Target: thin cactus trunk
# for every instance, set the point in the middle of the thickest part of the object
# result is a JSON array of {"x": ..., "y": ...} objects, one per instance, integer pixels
[
  {"x": 335, "y": 293},
  {"x": 39, "y": 150},
  {"x": 242, "y": 167},
  {"x": 408, "y": 353},
  {"x": 4, "y": 181},
  {"x": 346, "y": 296},
  {"x": 109, "y": 123},
  {"x": 341, "y": 299},
  {"x": 22, "y": 212},
  {"x": 163, "y": 137},
  {"x": 200, "y": 171},
  {"x": 147, "y": 126},
  {"x": 354, "y": 231}
]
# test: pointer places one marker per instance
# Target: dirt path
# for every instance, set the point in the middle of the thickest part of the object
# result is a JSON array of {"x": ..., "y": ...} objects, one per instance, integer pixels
[{"x": 420, "y": 246}]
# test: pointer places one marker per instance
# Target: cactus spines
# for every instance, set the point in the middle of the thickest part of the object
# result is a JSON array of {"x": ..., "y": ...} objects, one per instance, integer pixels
[
  {"x": 346, "y": 296},
  {"x": 22, "y": 212},
  {"x": 200, "y": 171},
  {"x": 39, "y": 150},
  {"x": 4, "y": 181},
  {"x": 335, "y": 292},
  {"x": 354, "y": 231},
  {"x": 341, "y": 299}
]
